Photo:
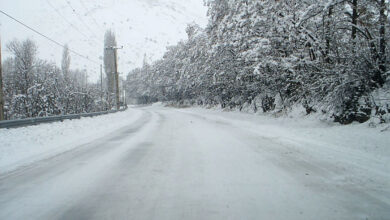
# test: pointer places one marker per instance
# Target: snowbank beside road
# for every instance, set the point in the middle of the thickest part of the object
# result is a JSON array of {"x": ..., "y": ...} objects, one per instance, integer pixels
[
  {"x": 300, "y": 128},
  {"x": 22, "y": 146}
]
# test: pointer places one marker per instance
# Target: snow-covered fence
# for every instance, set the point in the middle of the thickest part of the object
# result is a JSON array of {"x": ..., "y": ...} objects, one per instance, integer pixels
[{"x": 40, "y": 120}]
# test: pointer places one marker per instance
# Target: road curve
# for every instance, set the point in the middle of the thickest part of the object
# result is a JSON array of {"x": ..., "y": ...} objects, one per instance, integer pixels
[{"x": 170, "y": 164}]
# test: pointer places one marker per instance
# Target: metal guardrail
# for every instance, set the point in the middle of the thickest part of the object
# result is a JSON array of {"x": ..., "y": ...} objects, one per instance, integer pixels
[{"x": 41, "y": 120}]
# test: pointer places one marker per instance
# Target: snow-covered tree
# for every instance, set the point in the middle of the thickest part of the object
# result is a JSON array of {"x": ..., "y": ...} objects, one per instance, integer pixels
[
  {"x": 327, "y": 55},
  {"x": 36, "y": 88},
  {"x": 65, "y": 63}
]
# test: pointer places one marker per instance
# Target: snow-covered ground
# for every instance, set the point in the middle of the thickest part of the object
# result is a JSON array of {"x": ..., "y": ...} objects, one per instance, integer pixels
[
  {"x": 22, "y": 146},
  {"x": 155, "y": 162},
  {"x": 367, "y": 140},
  {"x": 361, "y": 152}
]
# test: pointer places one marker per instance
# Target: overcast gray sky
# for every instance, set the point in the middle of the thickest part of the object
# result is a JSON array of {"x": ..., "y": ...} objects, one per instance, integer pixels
[{"x": 141, "y": 26}]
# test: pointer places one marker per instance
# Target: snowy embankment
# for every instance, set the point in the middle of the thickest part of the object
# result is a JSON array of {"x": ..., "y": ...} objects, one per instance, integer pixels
[
  {"x": 310, "y": 133},
  {"x": 370, "y": 138},
  {"x": 25, "y": 145}
]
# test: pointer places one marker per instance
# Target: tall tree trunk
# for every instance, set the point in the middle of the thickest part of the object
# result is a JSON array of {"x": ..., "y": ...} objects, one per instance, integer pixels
[
  {"x": 327, "y": 37},
  {"x": 354, "y": 22},
  {"x": 382, "y": 39},
  {"x": 1, "y": 90}
]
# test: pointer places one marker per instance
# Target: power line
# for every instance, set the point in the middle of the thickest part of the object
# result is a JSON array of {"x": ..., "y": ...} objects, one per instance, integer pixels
[
  {"x": 87, "y": 13},
  {"x": 67, "y": 21},
  {"x": 81, "y": 19},
  {"x": 46, "y": 37}
]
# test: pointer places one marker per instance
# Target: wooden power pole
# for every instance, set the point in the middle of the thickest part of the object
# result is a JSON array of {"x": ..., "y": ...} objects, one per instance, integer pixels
[
  {"x": 116, "y": 80},
  {"x": 115, "y": 49},
  {"x": 101, "y": 87},
  {"x": 1, "y": 89}
]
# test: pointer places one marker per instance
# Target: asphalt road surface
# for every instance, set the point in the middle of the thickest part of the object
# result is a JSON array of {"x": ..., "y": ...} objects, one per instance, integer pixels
[{"x": 173, "y": 164}]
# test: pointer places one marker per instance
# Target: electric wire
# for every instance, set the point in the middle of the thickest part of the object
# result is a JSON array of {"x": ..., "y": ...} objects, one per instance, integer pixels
[
  {"x": 47, "y": 38},
  {"x": 92, "y": 17},
  {"x": 81, "y": 19},
  {"x": 70, "y": 23}
]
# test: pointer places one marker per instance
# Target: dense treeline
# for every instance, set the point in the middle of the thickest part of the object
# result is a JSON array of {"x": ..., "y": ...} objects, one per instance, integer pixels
[
  {"x": 37, "y": 88},
  {"x": 329, "y": 56}
]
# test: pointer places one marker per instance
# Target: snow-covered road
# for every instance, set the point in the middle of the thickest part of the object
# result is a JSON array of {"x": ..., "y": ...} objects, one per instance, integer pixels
[{"x": 165, "y": 163}]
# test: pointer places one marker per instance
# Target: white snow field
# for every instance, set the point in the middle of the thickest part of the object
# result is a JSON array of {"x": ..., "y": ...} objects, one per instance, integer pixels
[{"x": 154, "y": 162}]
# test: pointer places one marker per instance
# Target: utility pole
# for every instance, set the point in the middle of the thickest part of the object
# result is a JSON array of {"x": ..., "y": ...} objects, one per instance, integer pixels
[
  {"x": 86, "y": 80},
  {"x": 115, "y": 49},
  {"x": 101, "y": 87},
  {"x": 116, "y": 80},
  {"x": 1, "y": 89},
  {"x": 124, "y": 93}
]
